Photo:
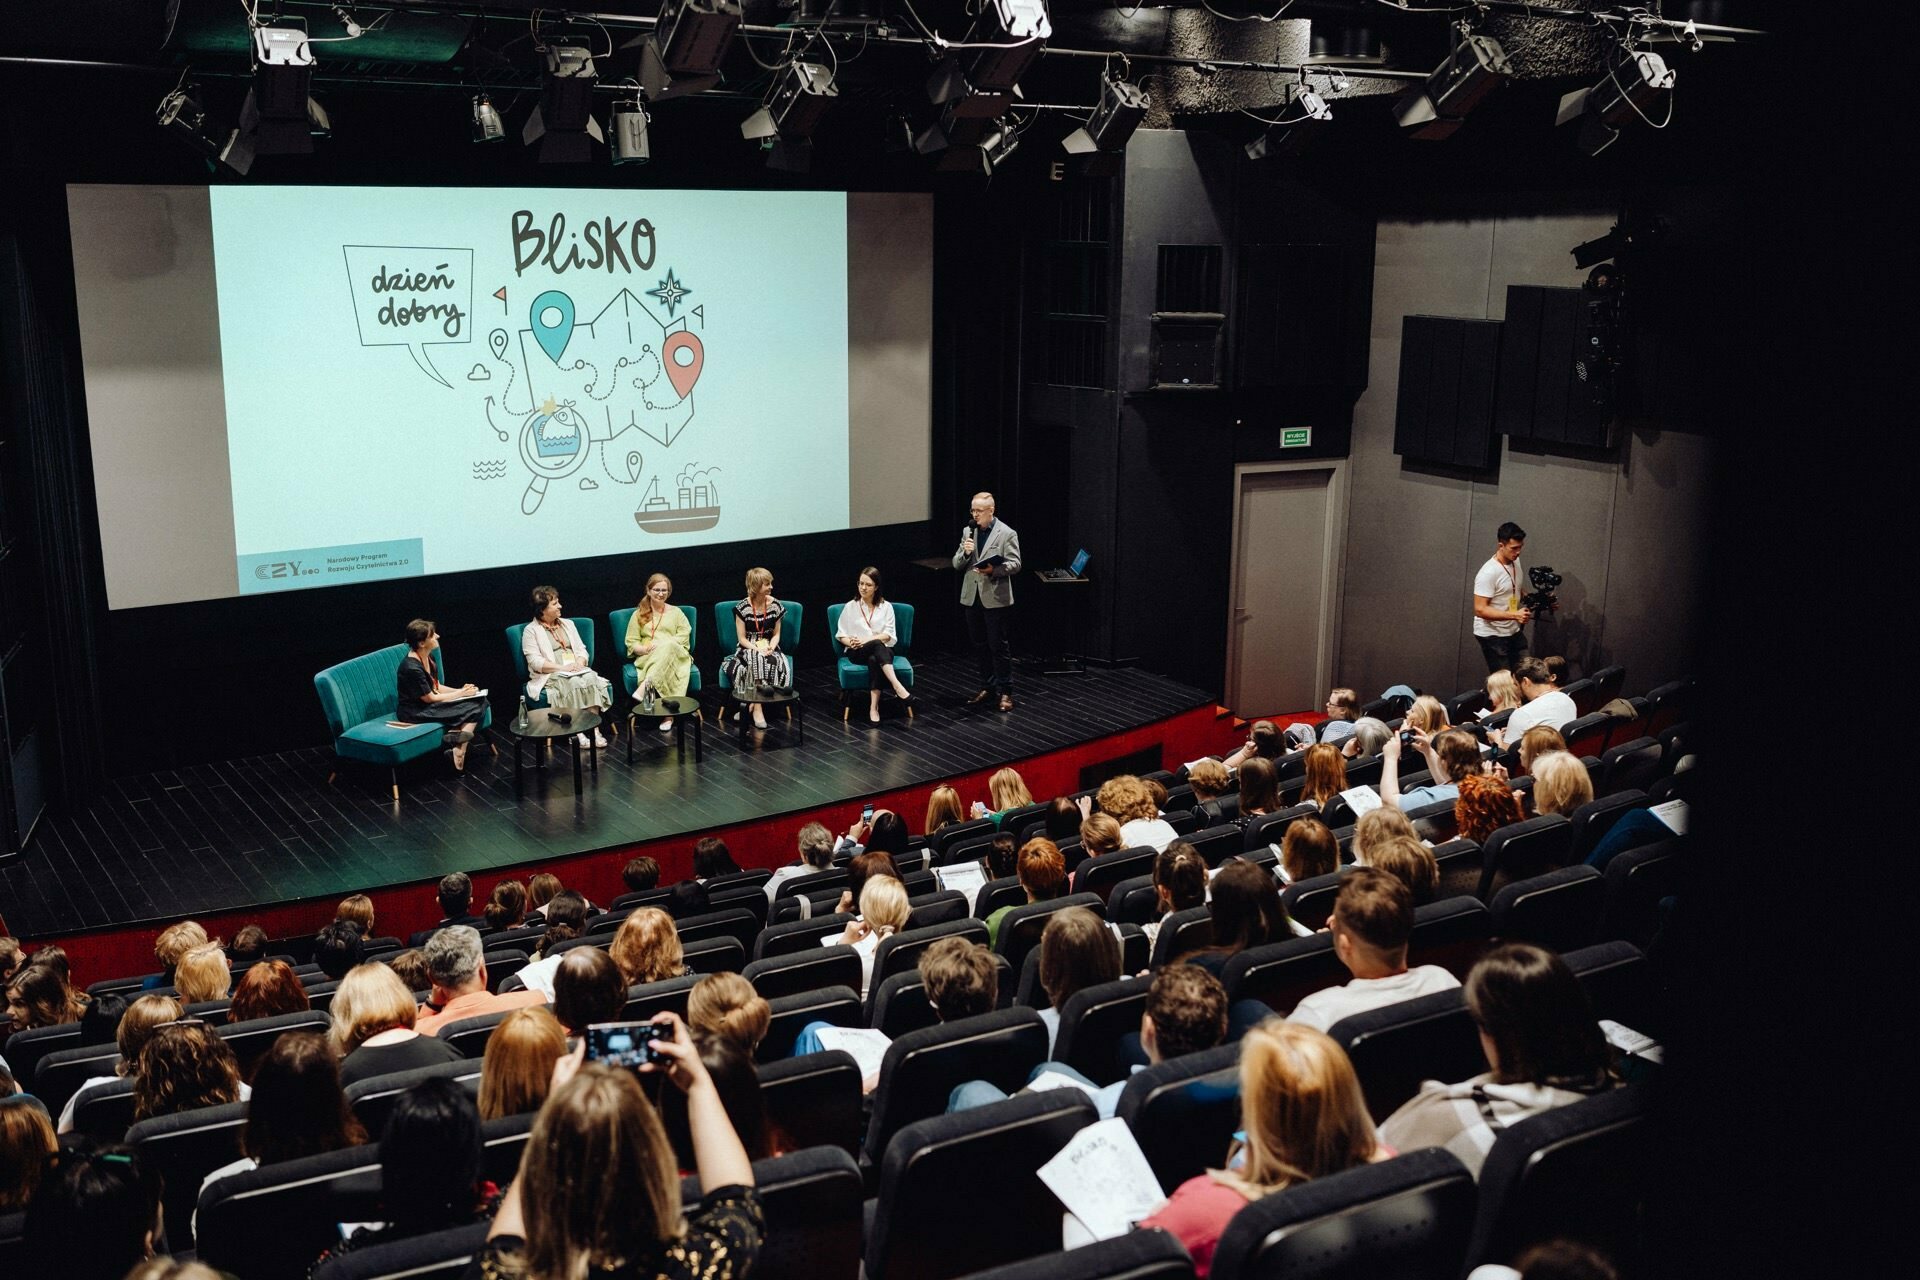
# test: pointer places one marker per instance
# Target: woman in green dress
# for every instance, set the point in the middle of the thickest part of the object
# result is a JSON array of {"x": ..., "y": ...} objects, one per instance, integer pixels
[{"x": 660, "y": 642}]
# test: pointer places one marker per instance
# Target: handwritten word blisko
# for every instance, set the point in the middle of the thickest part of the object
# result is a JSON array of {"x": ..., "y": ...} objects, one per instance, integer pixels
[{"x": 602, "y": 243}]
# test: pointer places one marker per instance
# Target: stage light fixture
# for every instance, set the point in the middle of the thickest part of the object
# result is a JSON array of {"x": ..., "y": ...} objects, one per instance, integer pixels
[
  {"x": 1015, "y": 33},
  {"x": 562, "y": 121},
  {"x": 629, "y": 134},
  {"x": 1600, "y": 249},
  {"x": 1123, "y": 105},
  {"x": 279, "y": 116},
  {"x": 1434, "y": 110},
  {"x": 800, "y": 95},
  {"x": 182, "y": 116},
  {"x": 487, "y": 124},
  {"x": 683, "y": 54},
  {"x": 1634, "y": 86},
  {"x": 1309, "y": 101}
]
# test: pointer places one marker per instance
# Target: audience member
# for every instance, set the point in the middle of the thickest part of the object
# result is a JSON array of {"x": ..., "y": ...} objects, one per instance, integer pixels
[
  {"x": 816, "y": 855},
  {"x": 27, "y": 1143},
  {"x": 1376, "y": 827},
  {"x": 11, "y": 958},
  {"x": 1451, "y": 755},
  {"x": 943, "y": 809},
  {"x": 459, "y": 970},
  {"x": 640, "y": 874},
  {"x": 1485, "y": 805},
  {"x": 1308, "y": 849},
  {"x": 712, "y": 858},
  {"x": 726, "y": 1005},
  {"x": 883, "y": 913},
  {"x": 1062, "y": 821},
  {"x": 1245, "y": 912},
  {"x": 1372, "y": 922},
  {"x": 1302, "y": 1117},
  {"x": 1545, "y": 704},
  {"x": 647, "y": 948},
  {"x": 1343, "y": 708},
  {"x": 518, "y": 1067},
  {"x": 431, "y": 1167},
  {"x": 202, "y": 974},
  {"x": 863, "y": 867},
  {"x": 338, "y": 947},
  {"x": 359, "y": 909},
  {"x": 1008, "y": 791},
  {"x": 1326, "y": 776},
  {"x": 961, "y": 978},
  {"x": 1544, "y": 1049},
  {"x": 1536, "y": 742},
  {"x": 1369, "y": 736},
  {"x": 1209, "y": 780},
  {"x": 1100, "y": 835},
  {"x": 374, "y": 1020},
  {"x": 566, "y": 919},
  {"x": 38, "y": 996},
  {"x": 507, "y": 907},
  {"x": 1264, "y": 742},
  {"x": 455, "y": 897},
  {"x": 730, "y": 1066},
  {"x": 540, "y": 891},
  {"x": 885, "y": 832},
  {"x": 1427, "y": 714},
  {"x": 1412, "y": 863},
  {"x": 184, "y": 1066},
  {"x": 298, "y": 1108},
  {"x": 1130, "y": 801},
  {"x": 1003, "y": 854},
  {"x": 136, "y": 1026},
  {"x": 410, "y": 965},
  {"x": 1043, "y": 874},
  {"x": 94, "y": 1216},
  {"x": 174, "y": 941},
  {"x": 1077, "y": 951},
  {"x": 1179, "y": 884},
  {"x": 587, "y": 988},
  {"x": 1259, "y": 789},
  {"x": 101, "y": 1020},
  {"x": 267, "y": 990},
  {"x": 1560, "y": 784},
  {"x": 599, "y": 1189},
  {"x": 1503, "y": 692},
  {"x": 249, "y": 945}
]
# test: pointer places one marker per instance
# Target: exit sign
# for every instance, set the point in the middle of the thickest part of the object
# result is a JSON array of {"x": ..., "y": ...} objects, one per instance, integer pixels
[{"x": 1296, "y": 437}]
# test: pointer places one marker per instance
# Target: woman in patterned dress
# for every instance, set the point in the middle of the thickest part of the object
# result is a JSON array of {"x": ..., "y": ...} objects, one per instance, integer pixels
[{"x": 756, "y": 657}]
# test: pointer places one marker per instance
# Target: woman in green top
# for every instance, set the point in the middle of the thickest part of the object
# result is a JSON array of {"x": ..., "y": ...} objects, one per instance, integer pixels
[
  {"x": 660, "y": 642},
  {"x": 1009, "y": 792}
]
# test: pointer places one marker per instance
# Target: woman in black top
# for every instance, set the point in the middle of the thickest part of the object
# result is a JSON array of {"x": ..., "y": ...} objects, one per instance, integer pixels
[{"x": 424, "y": 700}]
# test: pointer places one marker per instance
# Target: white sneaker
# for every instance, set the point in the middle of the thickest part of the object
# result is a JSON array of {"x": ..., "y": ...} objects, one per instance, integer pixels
[
  {"x": 580, "y": 740},
  {"x": 599, "y": 739},
  {"x": 666, "y": 725}
]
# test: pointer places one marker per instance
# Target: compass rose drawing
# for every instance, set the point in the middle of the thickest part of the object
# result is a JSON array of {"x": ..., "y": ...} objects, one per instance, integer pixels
[{"x": 670, "y": 293}]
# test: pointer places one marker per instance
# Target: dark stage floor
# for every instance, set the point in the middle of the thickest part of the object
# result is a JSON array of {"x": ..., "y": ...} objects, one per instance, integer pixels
[{"x": 270, "y": 829}]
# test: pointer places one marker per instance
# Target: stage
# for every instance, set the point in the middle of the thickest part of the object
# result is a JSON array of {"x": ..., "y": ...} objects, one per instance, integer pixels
[{"x": 267, "y": 840}]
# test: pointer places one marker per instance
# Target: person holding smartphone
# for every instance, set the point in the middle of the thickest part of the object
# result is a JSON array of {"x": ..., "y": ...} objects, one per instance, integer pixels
[{"x": 599, "y": 1188}]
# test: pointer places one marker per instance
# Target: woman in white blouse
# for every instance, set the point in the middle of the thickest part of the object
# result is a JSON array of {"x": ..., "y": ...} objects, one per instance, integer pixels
[
  {"x": 557, "y": 663},
  {"x": 867, "y": 634}
]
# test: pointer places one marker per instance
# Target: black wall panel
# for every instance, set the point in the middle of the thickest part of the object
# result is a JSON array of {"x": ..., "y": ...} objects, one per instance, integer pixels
[
  {"x": 1445, "y": 406},
  {"x": 1554, "y": 382}
]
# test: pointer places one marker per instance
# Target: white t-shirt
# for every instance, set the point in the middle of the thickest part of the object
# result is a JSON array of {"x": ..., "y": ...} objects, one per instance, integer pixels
[
  {"x": 1500, "y": 584},
  {"x": 1324, "y": 1008},
  {"x": 1155, "y": 832},
  {"x": 1554, "y": 710}
]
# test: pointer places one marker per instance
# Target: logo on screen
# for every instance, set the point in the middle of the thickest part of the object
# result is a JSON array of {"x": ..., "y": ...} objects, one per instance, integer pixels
[{"x": 277, "y": 569}]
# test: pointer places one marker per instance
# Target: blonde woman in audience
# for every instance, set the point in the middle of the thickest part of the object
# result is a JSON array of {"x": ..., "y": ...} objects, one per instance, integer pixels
[
  {"x": 1503, "y": 692},
  {"x": 1303, "y": 1117},
  {"x": 1326, "y": 776},
  {"x": 1130, "y": 800},
  {"x": 883, "y": 913},
  {"x": 1376, "y": 828},
  {"x": 202, "y": 974},
  {"x": 137, "y": 1025},
  {"x": 1209, "y": 780},
  {"x": 1427, "y": 714},
  {"x": 373, "y": 1019},
  {"x": 943, "y": 809},
  {"x": 1008, "y": 791},
  {"x": 1560, "y": 783},
  {"x": 647, "y": 948},
  {"x": 1412, "y": 863},
  {"x": 518, "y": 1066},
  {"x": 1536, "y": 742},
  {"x": 174, "y": 941},
  {"x": 359, "y": 909},
  {"x": 725, "y": 1006},
  {"x": 1100, "y": 834}
]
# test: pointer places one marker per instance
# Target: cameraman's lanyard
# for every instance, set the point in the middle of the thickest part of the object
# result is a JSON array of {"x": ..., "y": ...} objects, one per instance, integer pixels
[{"x": 1513, "y": 585}]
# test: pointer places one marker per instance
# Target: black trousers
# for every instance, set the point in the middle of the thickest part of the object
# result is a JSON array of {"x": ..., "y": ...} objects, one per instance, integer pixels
[
  {"x": 992, "y": 634},
  {"x": 878, "y": 659},
  {"x": 1503, "y": 652}
]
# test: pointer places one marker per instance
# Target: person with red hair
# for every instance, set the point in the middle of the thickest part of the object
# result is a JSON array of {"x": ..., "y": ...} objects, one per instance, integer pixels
[{"x": 268, "y": 989}]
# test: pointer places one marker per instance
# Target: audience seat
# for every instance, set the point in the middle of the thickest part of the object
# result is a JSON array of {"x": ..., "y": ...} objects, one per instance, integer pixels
[
  {"x": 961, "y": 833},
  {"x": 372, "y": 1099},
  {"x": 129, "y": 987},
  {"x": 502, "y": 1142},
  {"x": 1133, "y": 901},
  {"x": 63, "y": 1071},
  {"x": 900, "y": 1005},
  {"x": 183, "y": 1149},
  {"x": 746, "y": 896},
  {"x": 24, "y": 1049},
  {"x": 438, "y": 1255},
  {"x": 1279, "y": 974},
  {"x": 1437, "y": 823},
  {"x": 1617, "y": 983},
  {"x": 942, "y": 906},
  {"x": 1396, "y": 1047},
  {"x": 1669, "y": 704},
  {"x": 1310, "y": 901},
  {"x": 812, "y": 1200},
  {"x": 1093, "y": 1025},
  {"x": 1675, "y": 742},
  {"x": 1183, "y": 1112},
  {"x": 272, "y": 1223},
  {"x": 1452, "y": 933},
  {"x": 1587, "y": 736},
  {"x": 251, "y": 1039},
  {"x": 1137, "y": 1255},
  {"x": 470, "y": 1035},
  {"x": 13, "y": 1243},
  {"x": 1636, "y": 882},
  {"x": 797, "y": 936},
  {"x": 995, "y": 894},
  {"x": 1459, "y": 862},
  {"x": 1560, "y": 910},
  {"x": 1180, "y": 933},
  {"x": 1594, "y": 819},
  {"x": 1217, "y": 844},
  {"x": 921, "y": 1231},
  {"x": 1020, "y": 928},
  {"x": 667, "y": 995},
  {"x": 963, "y": 851},
  {"x": 1607, "y": 684},
  {"x": 814, "y": 1100},
  {"x": 658, "y": 896},
  {"x": 798, "y": 971},
  {"x": 735, "y": 923},
  {"x": 1523, "y": 849},
  {"x": 922, "y": 1067},
  {"x": 105, "y": 1113},
  {"x": 1099, "y": 875},
  {"x": 838, "y": 1006},
  {"x": 1578, "y": 1171},
  {"x": 1462, "y": 707},
  {"x": 1408, "y": 1218},
  {"x": 1631, "y": 766}
]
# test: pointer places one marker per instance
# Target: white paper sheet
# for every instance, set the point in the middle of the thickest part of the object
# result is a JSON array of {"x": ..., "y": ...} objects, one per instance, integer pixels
[
  {"x": 1103, "y": 1179},
  {"x": 1363, "y": 800},
  {"x": 867, "y": 1046}
]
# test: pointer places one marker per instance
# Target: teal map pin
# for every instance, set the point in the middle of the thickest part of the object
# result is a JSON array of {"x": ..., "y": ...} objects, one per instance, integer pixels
[{"x": 552, "y": 318}]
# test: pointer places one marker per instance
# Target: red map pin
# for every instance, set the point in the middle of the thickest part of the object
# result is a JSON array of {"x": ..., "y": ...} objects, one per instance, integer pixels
[{"x": 683, "y": 355}]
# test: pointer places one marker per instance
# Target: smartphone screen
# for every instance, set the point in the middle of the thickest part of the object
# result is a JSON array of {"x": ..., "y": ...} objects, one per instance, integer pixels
[
  {"x": 625, "y": 1044},
  {"x": 866, "y": 814}
]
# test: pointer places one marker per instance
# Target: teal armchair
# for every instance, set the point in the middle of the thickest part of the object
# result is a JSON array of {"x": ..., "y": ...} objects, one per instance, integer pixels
[
  {"x": 360, "y": 697},
  {"x": 854, "y": 676},
  {"x": 515, "y": 637},
  {"x": 619, "y": 619}
]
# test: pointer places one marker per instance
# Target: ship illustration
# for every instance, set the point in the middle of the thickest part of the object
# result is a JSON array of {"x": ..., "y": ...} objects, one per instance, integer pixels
[{"x": 697, "y": 508}]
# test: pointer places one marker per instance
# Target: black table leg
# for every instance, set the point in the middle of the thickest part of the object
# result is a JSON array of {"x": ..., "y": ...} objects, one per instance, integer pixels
[
  {"x": 576, "y": 769},
  {"x": 594, "y": 758},
  {"x": 518, "y": 785}
]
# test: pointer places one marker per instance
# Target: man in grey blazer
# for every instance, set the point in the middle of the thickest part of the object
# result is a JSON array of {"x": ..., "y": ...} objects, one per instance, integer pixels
[{"x": 989, "y": 556}]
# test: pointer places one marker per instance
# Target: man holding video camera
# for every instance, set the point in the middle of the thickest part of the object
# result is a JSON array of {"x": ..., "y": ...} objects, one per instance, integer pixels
[{"x": 1498, "y": 615}]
